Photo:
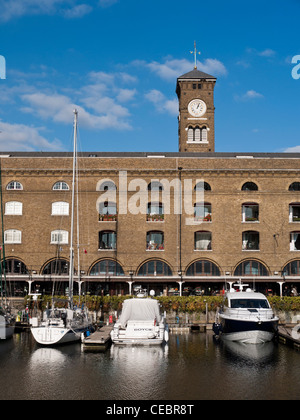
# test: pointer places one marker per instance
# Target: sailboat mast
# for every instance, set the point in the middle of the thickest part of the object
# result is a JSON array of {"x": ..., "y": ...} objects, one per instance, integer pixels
[
  {"x": 71, "y": 268},
  {"x": 2, "y": 263}
]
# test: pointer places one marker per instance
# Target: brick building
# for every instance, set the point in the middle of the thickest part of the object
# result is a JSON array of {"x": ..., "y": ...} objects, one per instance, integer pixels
[{"x": 181, "y": 222}]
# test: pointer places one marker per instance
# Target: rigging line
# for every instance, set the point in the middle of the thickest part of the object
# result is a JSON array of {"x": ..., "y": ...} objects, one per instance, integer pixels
[{"x": 3, "y": 264}]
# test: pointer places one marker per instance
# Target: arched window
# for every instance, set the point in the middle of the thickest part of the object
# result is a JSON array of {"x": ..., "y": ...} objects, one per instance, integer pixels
[
  {"x": 60, "y": 186},
  {"x": 155, "y": 212},
  {"x": 155, "y": 186},
  {"x": 60, "y": 208},
  {"x": 295, "y": 186},
  {"x": 249, "y": 186},
  {"x": 59, "y": 237},
  {"x": 197, "y": 134},
  {"x": 155, "y": 268},
  {"x": 292, "y": 269},
  {"x": 250, "y": 212},
  {"x": 107, "y": 185},
  {"x": 107, "y": 239},
  {"x": 202, "y": 186},
  {"x": 107, "y": 212},
  {"x": 58, "y": 266},
  {"x": 250, "y": 240},
  {"x": 13, "y": 208},
  {"x": 12, "y": 236},
  {"x": 202, "y": 212},
  {"x": 14, "y": 185},
  {"x": 203, "y": 268},
  {"x": 202, "y": 241},
  {"x": 251, "y": 268},
  {"x": 155, "y": 241},
  {"x": 14, "y": 266},
  {"x": 107, "y": 268},
  {"x": 295, "y": 241}
]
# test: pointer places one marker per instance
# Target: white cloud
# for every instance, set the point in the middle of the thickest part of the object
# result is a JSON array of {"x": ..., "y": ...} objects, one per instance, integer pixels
[
  {"x": 107, "y": 3},
  {"x": 24, "y": 138},
  {"x": 11, "y": 9},
  {"x": 173, "y": 68},
  {"x": 249, "y": 95},
  {"x": 295, "y": 149},
  {"x": 161, "y": 103}
]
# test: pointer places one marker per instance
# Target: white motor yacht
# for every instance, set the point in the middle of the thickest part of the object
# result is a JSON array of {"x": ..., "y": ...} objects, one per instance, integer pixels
[
  {"x": 140, "y": 323},
  {"x": 246, "y": 317}
]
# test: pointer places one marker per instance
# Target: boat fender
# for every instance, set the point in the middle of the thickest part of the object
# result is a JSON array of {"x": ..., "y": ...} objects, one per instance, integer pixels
[
  {"x": 296, "y": 332},
  {"x": 166, "y": 336}
]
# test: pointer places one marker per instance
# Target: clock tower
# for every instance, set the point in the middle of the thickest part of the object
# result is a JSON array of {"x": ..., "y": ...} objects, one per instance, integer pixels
[{"x": 195, "y": 91}]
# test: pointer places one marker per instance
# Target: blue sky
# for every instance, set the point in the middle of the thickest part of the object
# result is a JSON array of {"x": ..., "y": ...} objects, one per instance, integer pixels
[{"x": 117, "y": 61}]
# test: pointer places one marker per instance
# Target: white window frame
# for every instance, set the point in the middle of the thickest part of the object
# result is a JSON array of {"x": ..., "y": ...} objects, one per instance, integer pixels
[
  {"x": 14, "y": 186},
  {"x": 13, "y": 208},
  {"x": 60, "y": 208},
  {"x": 244, "y": 212},
  {"x": 60, "y": 184},
  {"x": 12, "y": 236},
  {"x": 59, "y": 237}
]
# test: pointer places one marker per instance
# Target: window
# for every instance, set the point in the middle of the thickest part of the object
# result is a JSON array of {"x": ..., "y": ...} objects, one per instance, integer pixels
[
  {"x": 197, "y": 134},
  {"x": 59, "y": 266},
  {"x": 107, "y": 212},
  {"x": 107, "y": 186},
  {"x": 13, "y": 266},
  {"x": 292, "y": 269},
  {"x": 155, "y": 268},
  {"x": 295, "y": 241},
  {"x": 294, "y": 212},
  {"x": 202, "y": 241},
  {"x": 155, "y": 186},
  {"x": 250, "y": 241},
  {"x": 202, "y": 212},
  {"x": 251, "y": 268},
  {"x": 107, "y": 239},
  {"x": 155, "y": 212},
  {"x": 12, "y": 236},
  {"x": 250, "y": 212},
  {"x": 249, "y": 186},
  {"x": 60, "y": 208},
  {"x": 13, "y": 208},
  {"x": 155, "y": 241},
  {"x": 202, "y": 186},
  {"x": 107, "y": 268},
  {"x": 203, "y": 268},
  {"x": 59, "y": 237},
  {"x": 14, "y": 185},
  {"x": 61, "y": 186},
  {"x": 295, "y": 186}
]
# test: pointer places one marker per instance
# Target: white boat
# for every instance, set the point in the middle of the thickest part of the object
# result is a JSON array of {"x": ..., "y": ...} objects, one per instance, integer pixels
[
  {"x": 65, "y": 325},
  {"x": 7, "y": 325},
  {"x": 140, "y": 323},
  {"x": 60, "y": 326},
  {"x": 246, "y": 317}
]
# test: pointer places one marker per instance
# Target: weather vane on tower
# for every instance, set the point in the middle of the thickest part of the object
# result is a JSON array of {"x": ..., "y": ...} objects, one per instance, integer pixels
[{"x": 195, "y": 54}]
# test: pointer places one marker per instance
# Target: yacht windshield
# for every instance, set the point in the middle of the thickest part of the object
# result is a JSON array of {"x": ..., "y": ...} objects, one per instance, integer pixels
[{"x": 249, "y": 303}]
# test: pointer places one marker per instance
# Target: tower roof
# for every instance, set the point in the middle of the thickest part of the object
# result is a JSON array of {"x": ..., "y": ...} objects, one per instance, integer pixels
[{"x": 196, "y": 74}]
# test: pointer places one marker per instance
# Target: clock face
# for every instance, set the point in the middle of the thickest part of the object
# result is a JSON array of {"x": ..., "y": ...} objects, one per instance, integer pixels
[{"x": 197, "y": 108}]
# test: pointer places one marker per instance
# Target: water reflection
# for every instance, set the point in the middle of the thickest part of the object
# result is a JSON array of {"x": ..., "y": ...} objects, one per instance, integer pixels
[{"x": 190, "y": 367}]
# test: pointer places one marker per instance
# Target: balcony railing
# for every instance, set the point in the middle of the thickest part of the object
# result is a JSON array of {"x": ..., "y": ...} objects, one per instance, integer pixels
[{"x": 108, "y": 217}]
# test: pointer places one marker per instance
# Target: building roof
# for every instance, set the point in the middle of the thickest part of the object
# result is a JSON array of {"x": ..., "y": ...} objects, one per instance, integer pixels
[
  {"x": 196, "y": 74},
  {"x": 199, "y": 155}
]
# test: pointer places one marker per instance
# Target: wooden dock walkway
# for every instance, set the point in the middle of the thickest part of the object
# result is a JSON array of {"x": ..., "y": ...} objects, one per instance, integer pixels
[
  {"x": 100, "y": 340},
  {"x": 285, "y": 336}
]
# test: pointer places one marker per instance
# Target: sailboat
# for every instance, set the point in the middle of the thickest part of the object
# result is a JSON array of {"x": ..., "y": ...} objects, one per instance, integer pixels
[
  {"x": 7, "y": 321},
  {"x": 64, "y": 325}
]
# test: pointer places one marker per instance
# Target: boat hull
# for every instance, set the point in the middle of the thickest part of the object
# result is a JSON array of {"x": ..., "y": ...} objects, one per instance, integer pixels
[
  {"x": 138, "y": 341},
  {"x": 50, "y": 336},
  {"x": 7, "y": 332},
  {"x": 251, "y": 332}
]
